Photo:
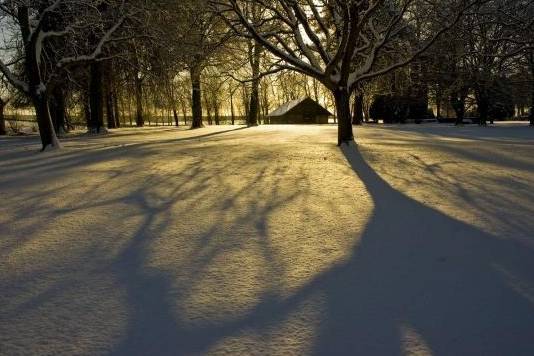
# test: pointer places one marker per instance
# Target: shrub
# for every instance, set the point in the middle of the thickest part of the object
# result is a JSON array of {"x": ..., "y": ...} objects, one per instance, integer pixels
[
  {"x": 398, "y": 109},
  {"x": 501, "y": 111}
]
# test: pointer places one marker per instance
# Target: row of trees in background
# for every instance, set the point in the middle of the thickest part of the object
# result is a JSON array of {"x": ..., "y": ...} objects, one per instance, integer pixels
[
  {"x": 130, "y": 62},
  {"x": 487, "y": 58}
]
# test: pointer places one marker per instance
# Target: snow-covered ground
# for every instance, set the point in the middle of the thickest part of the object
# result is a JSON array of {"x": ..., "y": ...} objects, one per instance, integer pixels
[{"x": 270, "y": 240}]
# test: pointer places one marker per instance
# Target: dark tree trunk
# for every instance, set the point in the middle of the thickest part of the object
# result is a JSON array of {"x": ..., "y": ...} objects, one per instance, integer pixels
[
  {"x": 196, "y": 97},
  {"x": 2, "y": 118},
  {"x": 96, "y": 99},
  {"x": 129, "y": 101},
  {"x": 217, "y": 118},
  {"x": 139, "y": 117},
  {"x": 483, "y": 107},
  {"x": 531, "y": 62},
  {"x": 458, "y": 104},
  {"x": 115, "y": 100},
  {"x": 357, "y": 112},
  {"x": 232, "y": 110},
  {"x": 438, "y": 102},
  {"x": 57, "y": 109},
  {"x": 264, "y": 105},
  {"x": 246, "y": 101},
  {"x": 36, "y": 87},
  {"x": 86, "y": 108},
  {"x": 110, "y": 112},
  {"x": 208, "y": 109},
  {"x": 44, "y": 122},
  {"x": 184, "y": 111},
  {"x": 253, "y": 110},
  {"x": 175, "y": 114},
  {"x": 345, "y": 134},
  {"x": 148, "y": 115},
  {"x": 254, "y": 104},
  {"x": 460, "y": 113}
]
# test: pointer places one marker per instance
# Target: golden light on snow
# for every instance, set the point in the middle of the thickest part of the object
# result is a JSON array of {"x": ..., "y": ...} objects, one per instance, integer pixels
[
  {"x": 413, "y": 342},
  {"x": 268, "y": 238}
]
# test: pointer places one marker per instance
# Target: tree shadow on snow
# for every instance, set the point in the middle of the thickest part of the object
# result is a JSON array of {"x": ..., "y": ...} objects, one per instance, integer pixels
[
  {"x": 73, "y": 157},
  {"x": 153, "y": 327},
  {"x": 418, "y": 279},
  {"x": 420, "y": 272}
]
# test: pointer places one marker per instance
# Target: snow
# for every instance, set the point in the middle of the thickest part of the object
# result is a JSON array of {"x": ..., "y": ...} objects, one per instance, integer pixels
[{"x": 269, "y": 240}]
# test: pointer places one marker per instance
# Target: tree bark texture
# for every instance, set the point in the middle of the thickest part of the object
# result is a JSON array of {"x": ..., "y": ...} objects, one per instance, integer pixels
[
  {"x": 96, "y": 99},
  {"x": 196, "y": 97},
  {"x": 3, "y": 130},
  {"x": 342, "y": 99},
  {"x": 36, "y": 87},
  {"x": 357, "y": 112},
  {"x": 253, "y": 112}
]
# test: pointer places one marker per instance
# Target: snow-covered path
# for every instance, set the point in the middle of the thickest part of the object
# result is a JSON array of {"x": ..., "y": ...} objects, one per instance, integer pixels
[{"x": 270, "y": 240}]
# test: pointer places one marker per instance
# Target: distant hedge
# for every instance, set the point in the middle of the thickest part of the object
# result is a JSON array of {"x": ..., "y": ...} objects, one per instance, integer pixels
[
  {"x": 501, "y": 111},
  {"x": 398, "y": 109}
]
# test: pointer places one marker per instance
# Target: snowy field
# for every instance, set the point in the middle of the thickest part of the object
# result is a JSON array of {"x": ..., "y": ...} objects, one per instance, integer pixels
[{"x": 270, "y": 240}]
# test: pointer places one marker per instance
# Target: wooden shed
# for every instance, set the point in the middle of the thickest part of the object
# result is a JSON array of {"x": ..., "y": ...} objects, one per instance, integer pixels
[{"x": 300, "y": 111}]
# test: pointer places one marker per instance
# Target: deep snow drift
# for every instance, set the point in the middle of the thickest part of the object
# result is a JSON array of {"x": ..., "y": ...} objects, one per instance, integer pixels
[{"x": 270, "y": 240}]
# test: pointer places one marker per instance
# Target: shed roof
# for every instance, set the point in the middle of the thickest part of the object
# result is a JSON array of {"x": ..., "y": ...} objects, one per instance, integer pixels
[{"x": 290, "y": 105}]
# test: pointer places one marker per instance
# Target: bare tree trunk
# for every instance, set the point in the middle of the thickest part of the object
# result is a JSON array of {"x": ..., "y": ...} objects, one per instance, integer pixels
[
  {"x": 96, "y": 98},
  {"x": 147, "y": 112},
  {"x": 130, "y": 110},
  {"x": 111, "y": 113},
  {"x": 483, "y": 106},
  {"x": 217, "y": 117},
  {"x": 139, "y": 117},
  {"x": 44, "y": 122},
  {"x": 184, "y": 111},
  {"x": 108, "y": 95},
  {"x": 57, "y": 110},
  {"x": 37, "y": 90},
  {"x": 531, "y": 62},
  {"x": 253, "y": 110},
  {"x": 246, "y": 98},
  {"x": 232, "y": 110},
  {"x": 86, "y": 108},
  {"x": 439, "y": 98},
  {"x": 264, "y": 103},
  {"x": 110, "y": 108},
  {"x": 115, "y": 98},
  {"x": 342, "y": 99},
  {"x": 357, "y": 112},
  {"x": 175, "y": 114},
  {"x": 2, "y": 117},
  {"x": 255, "y": 57},
  {"x": 196, "y": 97},
  {"x": 458, "y": 104},
  {"x": 208, "y": 109}
]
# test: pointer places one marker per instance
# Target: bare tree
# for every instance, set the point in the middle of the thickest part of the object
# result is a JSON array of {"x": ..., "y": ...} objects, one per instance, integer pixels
[
  {"x": 28, "y": 20},
  {"x": 196, "y": 35},
  {"x": 341, "y": 43}
]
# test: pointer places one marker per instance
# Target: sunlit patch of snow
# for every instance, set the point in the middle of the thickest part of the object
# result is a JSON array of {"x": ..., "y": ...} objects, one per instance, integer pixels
[{"x": 419, "y": 239}]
